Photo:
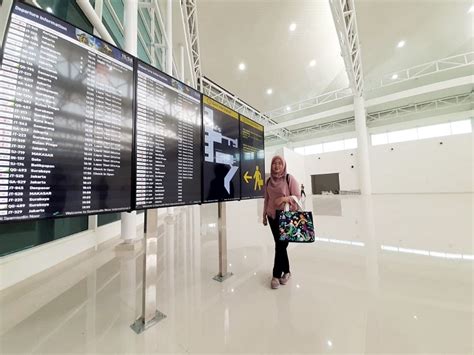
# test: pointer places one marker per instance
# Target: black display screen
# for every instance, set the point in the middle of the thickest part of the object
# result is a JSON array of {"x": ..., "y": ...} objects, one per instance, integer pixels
[
  {"x": 168, "y": 140},
  {"x": 252, "y": 160},
  {"x": 66, "y": 105},
  {"x": 221, "y": 177}
]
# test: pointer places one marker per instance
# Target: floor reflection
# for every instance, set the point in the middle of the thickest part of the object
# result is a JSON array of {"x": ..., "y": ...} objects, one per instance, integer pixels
[{"x": 387, "y": 274}]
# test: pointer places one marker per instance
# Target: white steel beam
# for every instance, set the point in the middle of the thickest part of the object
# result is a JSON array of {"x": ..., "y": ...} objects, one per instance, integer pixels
[
  {"x": 91, "y": 15},
  {"x": 344, "y": 15},
  {"x": 169, "y": 34},
  {"x": 318, "y": 116},
  {"x": 426, "y": 89},
  {"x": 430, "y": 68},
  {"x": 426, "y": 106},
  {"x": 191, "y": 31},
  {"x": 309, "y": 103},
  {"x": 383, "y": 115},
  {"x": 324, "y": 127}
]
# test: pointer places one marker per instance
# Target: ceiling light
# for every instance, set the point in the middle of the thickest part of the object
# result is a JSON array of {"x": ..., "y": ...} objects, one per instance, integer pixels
[
  {"x": 293, "y": 27},
  {"x": 401, "y": 44},
  {"x": 394, "y": 76},
  {"x": 312, "y": 63},
  {"x": 288, "y": 108},
  {"x": 242, "y": 66},
  {"x": 471, "y": 9},
  {"x": 329, "y": 343},
  {"x": 269, "y": 91},
  {"x": 50, "y": 10}
]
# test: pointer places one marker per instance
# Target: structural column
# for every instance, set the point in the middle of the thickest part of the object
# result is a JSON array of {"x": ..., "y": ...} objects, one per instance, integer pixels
[
  {"x": 169, "y": 54},
  {"x": 4, "y": 12},
  {"x": 98, "y": 7},
  {"x": 129, "y": 219},
  {"x": 363, "y": 146},
  {"x": 169, "y": 34}
]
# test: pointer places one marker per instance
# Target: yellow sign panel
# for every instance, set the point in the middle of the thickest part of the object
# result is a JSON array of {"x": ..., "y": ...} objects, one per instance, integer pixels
[
  {"x": 257, "y": 177},
  {"x": 218, "y": 106},
  {"x": 251, "y": 123}
]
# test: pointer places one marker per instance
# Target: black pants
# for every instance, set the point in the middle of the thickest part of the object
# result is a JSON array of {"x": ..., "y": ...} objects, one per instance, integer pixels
[{"x": 281, "y": 264}]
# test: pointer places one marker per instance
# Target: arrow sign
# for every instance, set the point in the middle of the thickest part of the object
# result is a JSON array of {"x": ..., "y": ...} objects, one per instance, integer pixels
[{"x": 247, "y": 177}]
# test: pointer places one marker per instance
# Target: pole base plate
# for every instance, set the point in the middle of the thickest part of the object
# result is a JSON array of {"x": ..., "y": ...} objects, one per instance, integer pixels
[{"x": 139, "y": 326}]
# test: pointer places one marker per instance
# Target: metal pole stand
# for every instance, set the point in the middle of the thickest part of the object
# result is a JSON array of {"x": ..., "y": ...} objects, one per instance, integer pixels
[
  {"x": 223, "y": 274},
  {"x": 150, "y": 315}
]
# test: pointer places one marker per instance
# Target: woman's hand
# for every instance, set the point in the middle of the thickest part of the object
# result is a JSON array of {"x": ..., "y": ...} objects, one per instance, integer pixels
[
  {"x": 281, "y": 200},
  {"x": 265, "y": 220}
]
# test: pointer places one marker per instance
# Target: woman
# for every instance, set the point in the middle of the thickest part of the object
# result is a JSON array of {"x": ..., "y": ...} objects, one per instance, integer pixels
[
  {"x": 302, "y": 191},
  {"x": 279, "y": 187}
]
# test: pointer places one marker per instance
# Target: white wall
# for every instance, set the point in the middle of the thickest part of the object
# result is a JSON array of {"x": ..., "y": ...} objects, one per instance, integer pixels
[
  {"x": 269, "y": 154},
  {"x": 423, "y": 166},
  {"x": 334, "y": 162},
  {"x": 295, "y": 164}
]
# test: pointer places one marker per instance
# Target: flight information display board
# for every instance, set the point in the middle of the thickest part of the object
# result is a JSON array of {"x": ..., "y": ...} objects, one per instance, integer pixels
[
  {"x": 252, "y": 161},
  {"x": 168, "y": 140},
  {"x": 66, "y": 106},
  {"x": 221, "y": 177}
]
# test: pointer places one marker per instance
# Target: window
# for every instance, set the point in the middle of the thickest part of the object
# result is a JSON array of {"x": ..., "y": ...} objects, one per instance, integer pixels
[
  {"x": 461, "y": 127},
  {"x": 300, "y": 150},
  {"x": 107, "y": 218},
  {"x": 403, "y": 136},
  {"x": 378, "y": 139},
  {"x": 327, "y": 147},
  {"x": 17, "y": 236},
  {"x": 431, "y": 131},
  {"x": 333, "y": 146},
  {"x": 350, "y": 143},
  {"x": 314, "y": 149},
  {"x": 438, "y": 130}
]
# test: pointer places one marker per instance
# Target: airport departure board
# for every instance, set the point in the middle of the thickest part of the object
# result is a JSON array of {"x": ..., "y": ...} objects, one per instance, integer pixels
[
  {"x": 168, "y": 140},
  {"x": 66, "y": 106},
  {"x": 252, "y": 159},
  {"x": 221, "y": 177}
]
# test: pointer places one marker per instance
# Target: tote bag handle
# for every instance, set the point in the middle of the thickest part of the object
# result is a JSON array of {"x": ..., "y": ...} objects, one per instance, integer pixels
[{"x": 298, "y": 203}]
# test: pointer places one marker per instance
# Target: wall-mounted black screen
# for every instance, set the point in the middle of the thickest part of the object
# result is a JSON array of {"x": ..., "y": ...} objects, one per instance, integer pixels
[
  {"x": 221, "y": 177},
  {"x": 66, "y": 105},
  {"x": 325, "y": 183},
  {"x": 252, "y": 160},
  {"x": 168, "y": 140}
]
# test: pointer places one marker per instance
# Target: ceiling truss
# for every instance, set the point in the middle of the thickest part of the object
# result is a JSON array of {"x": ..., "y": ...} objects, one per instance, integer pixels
[
  {"x": 344, "y": 15},
  {"x": 384, "y": 115},
  {"x": 427, "y": 106},
  {"x": 190, "y": 21},
  {"x": 434, "y": 67},
  {"x": 315, "y": 101}
]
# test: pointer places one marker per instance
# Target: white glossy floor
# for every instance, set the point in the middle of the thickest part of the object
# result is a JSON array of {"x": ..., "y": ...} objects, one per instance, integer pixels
[{"x": 389, "y": 274}]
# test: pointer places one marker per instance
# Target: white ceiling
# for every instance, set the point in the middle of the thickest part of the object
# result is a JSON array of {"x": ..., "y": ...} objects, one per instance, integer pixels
[
  {"x": 257, "y": 33},
  {"x": 432, "y": 29}
]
